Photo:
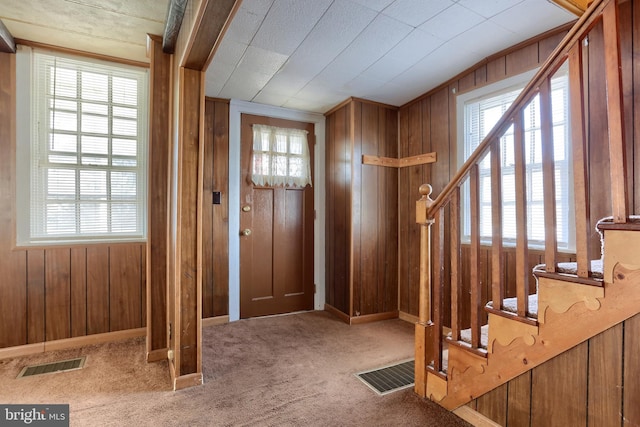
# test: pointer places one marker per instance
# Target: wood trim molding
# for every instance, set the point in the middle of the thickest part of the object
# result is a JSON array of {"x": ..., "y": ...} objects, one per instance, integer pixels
[
  {"x": 7, "y": 43},
  {"x": 157, "y": 355},
  {"x": 367, "y": 318},
  {"x": 84, "y": 53},
  {"x": 408, "y": 317},
  {"x": 474, "y": 417},
  {"x": 25, "y": 350},
  {"x": 186, "y": 381},
  {"x": 213, "y": 321},
  {"x": 404, "y": 162},
  {"x": 577, "y": 7},
  {"x": 340, "y": 315}
]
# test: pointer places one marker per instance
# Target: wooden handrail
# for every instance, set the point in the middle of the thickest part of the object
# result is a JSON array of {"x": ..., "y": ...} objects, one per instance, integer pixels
[
  {"x": 432, "y": 212},
  {"x": 550, "y": 66}
]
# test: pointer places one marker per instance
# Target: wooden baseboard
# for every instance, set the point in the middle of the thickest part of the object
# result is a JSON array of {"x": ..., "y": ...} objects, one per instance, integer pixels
[
  {"x": 157, "y": 355},
  {"x": 474, "y": 418},
  {"x": 25, "y": 350},
  {"x": 374, "y": 317},
  {"x": 408, "y": 317},
  {"x": 340, "y": 315},
  {"x": 358, "y": 320},
  {"x": 186, "y": 381},
  {"x": 212, "y": 321}
]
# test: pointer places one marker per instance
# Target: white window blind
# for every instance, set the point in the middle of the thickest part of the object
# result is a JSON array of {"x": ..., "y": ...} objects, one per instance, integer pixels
[
  {"x": 480, "y": 115},
  {"x": 88, "y": 152},
  {"x": 280, "y": 156}
]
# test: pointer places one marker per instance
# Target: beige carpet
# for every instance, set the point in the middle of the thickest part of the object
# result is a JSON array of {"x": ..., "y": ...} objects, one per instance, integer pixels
[{"x": 295, "y": 370}]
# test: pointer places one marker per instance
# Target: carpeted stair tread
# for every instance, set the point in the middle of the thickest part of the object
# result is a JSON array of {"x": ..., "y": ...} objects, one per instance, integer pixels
[
  {"x": 465, "y": 336},
  {"x": 511, "y": 305},
  {"x": 571, "y": 268}
]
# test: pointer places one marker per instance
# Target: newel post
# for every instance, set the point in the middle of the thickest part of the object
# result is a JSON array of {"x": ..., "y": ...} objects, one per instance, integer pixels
[{"x": 424, "y": 327}]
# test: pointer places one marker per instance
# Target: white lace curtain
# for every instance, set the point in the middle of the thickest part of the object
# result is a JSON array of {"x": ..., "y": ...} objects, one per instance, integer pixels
[{"x": 280, "y": 157}]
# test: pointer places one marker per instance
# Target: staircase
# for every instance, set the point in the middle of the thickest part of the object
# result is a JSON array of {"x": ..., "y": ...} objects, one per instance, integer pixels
[{"x": 572, "y": 302}]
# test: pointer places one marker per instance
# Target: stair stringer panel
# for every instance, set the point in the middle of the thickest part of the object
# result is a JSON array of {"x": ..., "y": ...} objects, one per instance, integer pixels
[{"x": 559, "y": 333}]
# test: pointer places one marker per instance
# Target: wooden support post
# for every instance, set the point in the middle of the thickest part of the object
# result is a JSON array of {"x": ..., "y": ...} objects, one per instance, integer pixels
[
  {"x": 424, "y": 328},
  {"x": 158, "y": 193}
]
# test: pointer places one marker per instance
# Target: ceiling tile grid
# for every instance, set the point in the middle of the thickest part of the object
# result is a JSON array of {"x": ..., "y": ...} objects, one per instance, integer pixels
[{"x": 313, "y": 54}]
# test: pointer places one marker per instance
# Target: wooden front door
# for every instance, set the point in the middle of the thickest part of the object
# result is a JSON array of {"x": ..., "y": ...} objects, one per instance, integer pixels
[{"x": 276, "y": 235}]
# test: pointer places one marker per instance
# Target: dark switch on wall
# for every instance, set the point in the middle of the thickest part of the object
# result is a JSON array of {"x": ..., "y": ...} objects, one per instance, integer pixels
[{"x": 216, "y": 197}]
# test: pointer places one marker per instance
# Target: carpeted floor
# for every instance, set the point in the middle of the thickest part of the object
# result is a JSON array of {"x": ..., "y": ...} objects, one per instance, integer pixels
[{"x": 295, "y": 370}]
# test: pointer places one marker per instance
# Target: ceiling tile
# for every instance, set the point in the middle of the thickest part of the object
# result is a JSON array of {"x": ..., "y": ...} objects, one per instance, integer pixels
[
  {"x": 287, "y": 24},
  {"x": 216, "y": 76},
  {"x": 451, "y": 22},
  {"x": 265, "y": 61},
  {"x": 244, "y": 26},
  {"x": 256, "y": 7},
  {"x": 485, "y": 38},
  {"x": 489, "y": 8},
  {"x": 377, "y": 5},
  {"x": 415, "y": 12},
  {"x": 525, "y": 19}
]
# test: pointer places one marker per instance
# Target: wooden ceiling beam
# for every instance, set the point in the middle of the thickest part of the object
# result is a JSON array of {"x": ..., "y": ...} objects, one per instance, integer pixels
[
  {"x": 175, "y": 14},
  {"x": 7, "y": 43},
  {"x": 211, "y": 24}
]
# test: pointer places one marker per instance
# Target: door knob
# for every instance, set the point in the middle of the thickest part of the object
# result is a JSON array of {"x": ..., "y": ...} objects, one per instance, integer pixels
[
  {"x": 246, "y": 208},
  {"x": 246, "y": 232}
]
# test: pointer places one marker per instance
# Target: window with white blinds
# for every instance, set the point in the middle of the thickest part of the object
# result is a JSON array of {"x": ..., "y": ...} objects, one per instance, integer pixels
[
  {"x": 480, "y": 115},
  {"x": 88, "y": 149}
]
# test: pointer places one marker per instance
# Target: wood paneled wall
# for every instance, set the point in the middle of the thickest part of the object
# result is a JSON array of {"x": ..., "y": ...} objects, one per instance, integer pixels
[
  {"x": 215, "y": 222},
  {"x": 593, "y": 384},
  {"x": 428, "y": 124},
  {"x": 338, "y": 209},
  {"x": 63, "y": 292},
  {"x": 362, "y": 211}
]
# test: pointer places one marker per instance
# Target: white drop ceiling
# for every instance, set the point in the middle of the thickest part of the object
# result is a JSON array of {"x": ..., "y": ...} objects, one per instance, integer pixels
[
  {"x": 313, "y": 54},
  {"x": 306, "y": 54}
]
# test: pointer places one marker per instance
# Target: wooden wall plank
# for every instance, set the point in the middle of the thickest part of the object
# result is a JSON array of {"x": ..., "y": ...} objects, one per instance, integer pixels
[
  {"x": 631, "y": 372},
  {"x": 519, "y": 401},
  {"x": 58, "y": 296},
  {"x": 405, "y": 207},
  {"x": 209, "y": 264},
  {"x": 125, "y": 274},
  {"x": 605, "y": 378},
  {"x": 496, "y": 69},
  {"x": 221, "y": 211},
  {"x": 78, "y": 291},
  {"x": 389, "y": 213},
  {"x": 493, "y": 405},
  {"x": 566, "y": 376},
  {"x": 522, "y": 60},
  {"x": 357, "y": 282},
  {"x": 35, "y": 296},
  {"x": 97, "y": 289}
]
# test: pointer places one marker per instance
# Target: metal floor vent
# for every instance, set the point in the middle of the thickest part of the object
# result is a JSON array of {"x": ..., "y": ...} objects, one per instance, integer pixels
[
  {"x": 50, "y": 368},
  {"x": 390, "y": 378}
]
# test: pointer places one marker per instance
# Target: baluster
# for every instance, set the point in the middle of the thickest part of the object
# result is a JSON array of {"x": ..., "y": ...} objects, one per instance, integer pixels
[
  {"x": 617, "y": 147},
  {"x": 548, "y": 177},
  {"x": 580, "y": 173},
  {"x": 476, "y": 286},
  {"x": 438, "y": 289},
  {"x": 522, "y": 243},
  {"x": 456, "y": 265},
  {"x": 497, "y": 285}
]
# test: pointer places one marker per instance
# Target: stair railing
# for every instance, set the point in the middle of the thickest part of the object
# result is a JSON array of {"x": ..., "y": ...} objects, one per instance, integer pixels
[{"x": 447, "y": 206}]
